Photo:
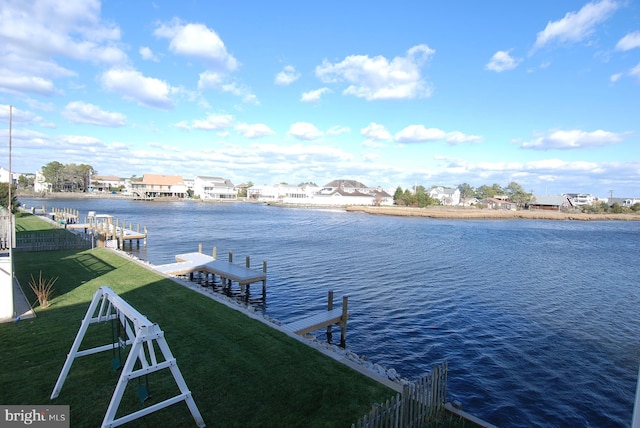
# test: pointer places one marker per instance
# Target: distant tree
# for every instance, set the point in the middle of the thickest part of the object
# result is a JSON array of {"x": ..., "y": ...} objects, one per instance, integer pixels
[
  {"x": 397, "y": 196},
  {"x": 23, "y": 182},
  {"x": 423, "y": 199},
  {"x": 616, "y": 208},
  {"x": 69, "y": 177},
  {"x": 4, "y": 197},
  {"x": 498, "y": 190},
  {"x": 53, "y": 173},
  {"x": 484, "y": 192},
  {"x": 409, "y": 198},
  {"x": 517, "y": 194},
  {"x": 76, "y": 177},
  {"x": 466, "y": 191}
]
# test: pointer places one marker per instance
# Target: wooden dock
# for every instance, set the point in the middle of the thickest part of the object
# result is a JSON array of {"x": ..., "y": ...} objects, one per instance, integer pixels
[
  {"x": 326, "y": 319},
  {"x": 109, "y": 232},
  {"x": 190, "y": 263}
]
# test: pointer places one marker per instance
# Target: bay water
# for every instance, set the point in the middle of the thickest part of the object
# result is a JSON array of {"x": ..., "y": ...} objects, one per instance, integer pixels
[{"x": 539, "y": 320}]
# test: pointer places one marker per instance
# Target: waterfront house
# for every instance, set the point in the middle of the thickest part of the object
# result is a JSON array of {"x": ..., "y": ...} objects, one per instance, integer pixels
[
  {"x": 624, "y": 202},
  {"x": 159, "y": 186},
  {"x": 578, "y": 199},
  {"x": 334, "y": 193},
  {"x": 214, "y": 188},
  {"x": 551, "y": 203},
  {"x": 445, "y": 195},
  {"x": 104, "y": 183},
  {"x": 283, "y": 193},
  {"x": 40, "y": 184},
  {"x": 499, "y": 204}
]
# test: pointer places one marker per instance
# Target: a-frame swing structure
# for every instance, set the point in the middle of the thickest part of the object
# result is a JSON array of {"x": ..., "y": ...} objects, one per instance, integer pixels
[{"x": 141, "y": 360}]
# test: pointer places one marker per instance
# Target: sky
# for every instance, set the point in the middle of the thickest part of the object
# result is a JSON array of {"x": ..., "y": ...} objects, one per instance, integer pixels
[{"x": 543, "y": 93}]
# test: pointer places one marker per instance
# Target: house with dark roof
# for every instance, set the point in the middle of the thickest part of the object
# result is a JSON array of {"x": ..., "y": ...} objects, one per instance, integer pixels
[{"x": 551, "y": 203}]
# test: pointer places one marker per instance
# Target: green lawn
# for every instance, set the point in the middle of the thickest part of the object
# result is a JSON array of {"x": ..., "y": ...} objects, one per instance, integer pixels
[{"x": 241, "y": 372}]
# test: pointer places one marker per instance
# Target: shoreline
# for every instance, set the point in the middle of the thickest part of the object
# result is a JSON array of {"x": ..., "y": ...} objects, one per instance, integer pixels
[
  {"x": 487, "y": 214},
  {"x": 439, "y": 212}
]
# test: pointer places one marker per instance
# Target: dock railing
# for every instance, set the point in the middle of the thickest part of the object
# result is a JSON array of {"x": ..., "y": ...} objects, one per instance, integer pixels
[{"x": 419, "y": 403}]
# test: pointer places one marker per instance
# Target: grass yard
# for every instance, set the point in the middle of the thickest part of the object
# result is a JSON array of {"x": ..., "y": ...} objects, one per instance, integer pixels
[{"x": 241, "y": 372}]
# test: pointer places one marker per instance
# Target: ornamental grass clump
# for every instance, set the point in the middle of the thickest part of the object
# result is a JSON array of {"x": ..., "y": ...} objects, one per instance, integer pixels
[{"x": 43, "y": 289}]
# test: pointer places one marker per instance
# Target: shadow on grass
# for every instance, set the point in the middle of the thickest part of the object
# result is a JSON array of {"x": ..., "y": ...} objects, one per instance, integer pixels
[{"x": 241, "y": 372}]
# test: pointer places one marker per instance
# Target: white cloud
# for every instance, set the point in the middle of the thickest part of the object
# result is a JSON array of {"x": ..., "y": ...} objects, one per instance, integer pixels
[
  {"x": 80, "y": 112},
  {"x": 502, "y": 61},
  {"x": 132, "y": 85},
  {"x": 573, "y": 139},
  {"x": 256, "y": 130},
  {"x": 378, "y": 78},
  {"x": 197, "y": 41},
  {"x": 34, "y": 34},
  {"x": 628, "y": 42},
  {"x": 147, "y": 54},
  {"x": 287, "y": 76},
  {"x": 418, "y": 133},
  {"x": 315, "y": 95},
  {"x": 217, "y": 81},
  {"x": 576, "y": 26},
  {"x": 12, "y": 82},
  {"x": 615, "y": 77},
  {"x": 210, "y": 80},
  {"x": 635, "y": 71},
  {"x": 376, "y": 132},
  {"x": 213, "y": 122},
  {"x": 338, "y": 130},
  {"x": 305, "y": 131}
]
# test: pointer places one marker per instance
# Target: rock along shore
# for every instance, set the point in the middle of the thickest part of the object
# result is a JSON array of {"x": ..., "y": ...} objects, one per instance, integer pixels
[{"x": 475, "y": 213}]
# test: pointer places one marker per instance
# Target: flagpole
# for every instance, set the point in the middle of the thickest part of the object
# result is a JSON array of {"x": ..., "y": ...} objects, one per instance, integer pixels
[{"x": 10, "y": 232}]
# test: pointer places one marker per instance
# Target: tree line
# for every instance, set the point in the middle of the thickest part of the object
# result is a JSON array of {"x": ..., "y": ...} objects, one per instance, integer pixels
[
  {"x": 68, "y": 177},
  {"x": 420, "y": 197}
]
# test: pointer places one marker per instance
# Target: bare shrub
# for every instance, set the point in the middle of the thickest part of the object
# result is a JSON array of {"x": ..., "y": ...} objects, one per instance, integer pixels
[{"x": 43, "y": 289}]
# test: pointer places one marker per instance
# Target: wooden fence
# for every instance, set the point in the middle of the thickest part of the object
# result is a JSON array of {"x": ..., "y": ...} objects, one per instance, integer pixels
[
  {"x": 57, "y": 239},
  {"x": 420, "y": 403}
]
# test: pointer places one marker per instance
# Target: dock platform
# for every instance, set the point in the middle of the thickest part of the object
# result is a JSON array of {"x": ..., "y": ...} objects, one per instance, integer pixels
[
  {"x": 323, "y": 319},
  {"x": 190, "y": 263}
]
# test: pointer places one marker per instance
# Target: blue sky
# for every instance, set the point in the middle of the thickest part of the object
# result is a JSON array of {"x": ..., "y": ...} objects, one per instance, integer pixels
[{"x": 544, "y": 93}]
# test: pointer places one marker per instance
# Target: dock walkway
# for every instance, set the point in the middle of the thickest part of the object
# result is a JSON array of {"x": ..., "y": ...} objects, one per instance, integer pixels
[
  {"x": 315, "y": 322},
  {"x": 323, "y": 319}
]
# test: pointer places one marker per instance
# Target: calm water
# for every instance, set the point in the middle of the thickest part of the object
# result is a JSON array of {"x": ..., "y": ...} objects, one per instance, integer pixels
[{"x": 539, "y": 320}]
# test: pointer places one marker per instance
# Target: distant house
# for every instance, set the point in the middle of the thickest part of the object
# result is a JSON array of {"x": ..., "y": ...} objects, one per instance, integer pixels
[
  {"x": 625, "y": 202},
  {"x": 551, "y": 203},
  {"x": 578, "y": 199},
  {"x": 4, "y": 175},
  {"x": 468, "y": 202},
  {"x": 351, "y": 192},
  {"x": 215, "y": 188},
  {"x": 334, "y": 193},
  {"x": 104, "y": 183},
  {"x": 499, "y": 204},
  {"x": 40, "y": 184},
  {"x": 159, "y": 186},
  {"x": 446, "y": 196}
]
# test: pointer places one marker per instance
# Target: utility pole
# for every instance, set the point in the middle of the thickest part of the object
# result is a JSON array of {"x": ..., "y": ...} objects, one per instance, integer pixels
[{"x": 610, "y": 197}]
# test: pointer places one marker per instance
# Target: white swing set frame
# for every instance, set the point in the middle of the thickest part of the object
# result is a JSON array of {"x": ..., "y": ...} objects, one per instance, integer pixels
[{"x": 106, "y": 305}]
